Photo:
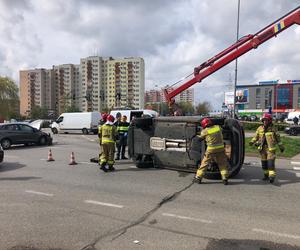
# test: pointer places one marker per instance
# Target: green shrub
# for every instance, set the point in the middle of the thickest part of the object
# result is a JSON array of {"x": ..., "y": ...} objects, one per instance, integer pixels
[{"x": 254, "y": 125}]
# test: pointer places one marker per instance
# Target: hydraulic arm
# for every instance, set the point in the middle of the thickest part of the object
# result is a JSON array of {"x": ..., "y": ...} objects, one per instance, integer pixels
[{"x": 236, "y": 50}]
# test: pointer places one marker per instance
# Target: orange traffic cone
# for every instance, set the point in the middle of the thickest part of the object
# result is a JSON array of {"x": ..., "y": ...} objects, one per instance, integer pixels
[
  {"x": 72, "y": 159},
  {"x": 50, "y": 157}
]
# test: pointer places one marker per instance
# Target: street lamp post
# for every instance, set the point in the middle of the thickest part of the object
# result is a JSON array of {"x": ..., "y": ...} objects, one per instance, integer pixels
[{"x": 236, "y": 61}]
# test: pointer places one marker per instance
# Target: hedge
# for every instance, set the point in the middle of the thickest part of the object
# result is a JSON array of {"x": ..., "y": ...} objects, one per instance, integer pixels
[{"x": 254, "y": 125}]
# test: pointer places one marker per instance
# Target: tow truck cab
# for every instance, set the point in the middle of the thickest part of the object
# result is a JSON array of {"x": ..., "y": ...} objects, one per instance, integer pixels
[{"x": 172, "y": 142}]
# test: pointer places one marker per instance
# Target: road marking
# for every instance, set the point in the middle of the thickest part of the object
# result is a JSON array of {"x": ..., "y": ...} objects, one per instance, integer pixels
[
  {"x": 295, "y": 162},
  {"x": 275, "y": 233},
  {"x": 86, "y": 162},
  {"x": 87, "y": 138},
  {"x": 103, "y": 204},
  {"x": 12, "y": 156},
  {"x": 186, "y": 218},
  {"x": 296, "y": 168},
  {"x": 298, "y": 174},
  {"x": 39, "y": 193},
  {"x": 254, "y": 179}
]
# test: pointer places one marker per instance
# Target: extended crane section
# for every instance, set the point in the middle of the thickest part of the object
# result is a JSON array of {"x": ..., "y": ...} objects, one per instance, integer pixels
[{"x": 237, "y": 49}]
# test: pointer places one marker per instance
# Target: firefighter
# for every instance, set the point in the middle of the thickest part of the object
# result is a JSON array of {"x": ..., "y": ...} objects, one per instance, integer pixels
[
  {"x": 266, "y": 138},
  {"x": 215, "y": 151},
  {"x": 101, "y": 122},
  {"x": 122, "y": 128},
  {"x": 108, "y": 136}
]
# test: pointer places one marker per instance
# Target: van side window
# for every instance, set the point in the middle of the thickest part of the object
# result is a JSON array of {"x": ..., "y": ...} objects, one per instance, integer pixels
[{"x": 60, "y": 119}]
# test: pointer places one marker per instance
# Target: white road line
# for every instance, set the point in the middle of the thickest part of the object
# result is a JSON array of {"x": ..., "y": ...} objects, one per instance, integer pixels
[
  {"x": 103, "y": 204},
  {"x": 186, "y": 218},
  {"x": 87, "y": 138},
  {"x": 86, "y": 162},
  {"x": 296, "y": 168},
  {"x": 254, "y": 179},
  {"x": 295, "y": 162},
  {"x": 276, "y": 233},
  {"x": 39, "y": 193},
  {"x": 12, "y": 156}
]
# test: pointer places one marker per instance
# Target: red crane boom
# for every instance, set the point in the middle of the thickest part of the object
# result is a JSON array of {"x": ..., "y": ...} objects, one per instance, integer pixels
[{"x": 236, "y": 50}]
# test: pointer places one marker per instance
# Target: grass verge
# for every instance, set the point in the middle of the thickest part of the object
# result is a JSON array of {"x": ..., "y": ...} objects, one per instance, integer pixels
[{"x": 292, "y": 148}]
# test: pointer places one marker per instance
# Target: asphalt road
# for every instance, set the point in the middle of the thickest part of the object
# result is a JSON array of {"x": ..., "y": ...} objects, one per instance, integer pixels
[{"x": 52, "y": 205}]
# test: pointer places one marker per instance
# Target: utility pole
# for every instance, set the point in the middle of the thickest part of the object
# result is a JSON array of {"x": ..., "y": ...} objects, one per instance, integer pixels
[{"x": 236, "y": 61}]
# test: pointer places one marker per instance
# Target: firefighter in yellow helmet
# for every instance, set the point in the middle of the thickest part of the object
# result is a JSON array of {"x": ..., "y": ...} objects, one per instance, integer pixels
[
  {"x": 215, "y": 150},
  {"x": 107, "y": 138},
  {"x": 266, "y": 138}
]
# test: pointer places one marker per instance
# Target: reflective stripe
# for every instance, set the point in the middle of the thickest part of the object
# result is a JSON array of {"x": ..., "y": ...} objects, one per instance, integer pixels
[
  {"x": 269, "y": 133},
  {"x": 216, "y": 146},
  {"x": 213, "y": 130},
  {"x": 272, "y": 173},
  {"x": 122, "y": 128},
  {"x": 107, "y": 140},
  {"x": 272, "y": 149}
]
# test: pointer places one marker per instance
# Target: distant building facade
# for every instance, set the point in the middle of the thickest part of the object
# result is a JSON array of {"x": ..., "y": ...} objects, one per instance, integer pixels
[
  {"x": 281, "y": 96},
  {"x": 154, "y": 96},
  {"x": 96, "y": 84}
]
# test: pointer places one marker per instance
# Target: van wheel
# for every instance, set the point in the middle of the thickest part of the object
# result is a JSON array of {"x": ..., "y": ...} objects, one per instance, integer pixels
[
  {"x": 54, "y": 130},
  {"x": 293, "y": 132},
  {"x": 85, "y": 131}
]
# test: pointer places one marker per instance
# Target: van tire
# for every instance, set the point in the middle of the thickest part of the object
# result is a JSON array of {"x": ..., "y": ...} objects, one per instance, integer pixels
[{"x": 85, "y": 131}]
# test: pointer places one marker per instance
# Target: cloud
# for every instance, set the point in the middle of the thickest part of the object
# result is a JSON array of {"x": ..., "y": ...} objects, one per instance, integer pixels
[{"x": 173, "y": 37}]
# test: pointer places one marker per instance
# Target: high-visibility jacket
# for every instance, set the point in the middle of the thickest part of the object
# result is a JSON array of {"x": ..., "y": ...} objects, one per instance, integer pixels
[
  {"x": 268, "y": 137},
  {"x": 214, "y": 139},
  {"x": 107, "y": 134},
  {"x": 122, "y": 128}
]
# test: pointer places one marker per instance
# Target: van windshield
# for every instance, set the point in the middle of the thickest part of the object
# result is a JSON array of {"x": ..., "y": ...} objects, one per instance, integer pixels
[{"x": 60, "y": 119}]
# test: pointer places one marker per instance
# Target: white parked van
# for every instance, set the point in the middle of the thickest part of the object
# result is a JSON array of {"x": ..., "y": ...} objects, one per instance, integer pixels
[
  {"x": 291, "y": 116},
  {"x": 135, "y": 113},
  {"x": 84, "y": 122}
]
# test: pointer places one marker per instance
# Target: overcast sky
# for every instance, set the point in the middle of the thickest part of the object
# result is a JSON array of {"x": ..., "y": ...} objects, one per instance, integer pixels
[{"x": 172, "y": 36}]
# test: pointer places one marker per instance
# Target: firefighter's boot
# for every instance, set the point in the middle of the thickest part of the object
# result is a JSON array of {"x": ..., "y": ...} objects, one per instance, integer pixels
[
  {"x": 197, "y": 179},
  {"x": 272, "y": 179},
  {"x": 102, "y": 167},
  {"x": 111, "y": 168},
  {"x": 266, "y": 177},
  {"x": 264, "y": 165},
  {"x": 225, "y": 182}
]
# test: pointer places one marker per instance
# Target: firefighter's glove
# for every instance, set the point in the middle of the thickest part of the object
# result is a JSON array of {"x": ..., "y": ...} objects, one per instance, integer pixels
[
  {"x": 281, "y": 147},
  {"x": 251, "y": 143}
]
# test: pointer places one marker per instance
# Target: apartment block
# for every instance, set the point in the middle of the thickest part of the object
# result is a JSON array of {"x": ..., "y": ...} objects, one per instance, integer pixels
[
  {"x": 36, "y": 89},
  {"x": 153, "y": 96},
  {"x": 67, "y": 86},
  {"x": 96, "y": 84}
]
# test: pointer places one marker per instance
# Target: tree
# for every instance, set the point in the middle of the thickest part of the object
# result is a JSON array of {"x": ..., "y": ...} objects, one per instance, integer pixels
[
  {"x": 71, "y": 109},
  {"x": 203, "y": 108},
  {"x": 186, "y": 108},
  {"x": 38, "y": 112},
  {"x": 9, "y": 99}
]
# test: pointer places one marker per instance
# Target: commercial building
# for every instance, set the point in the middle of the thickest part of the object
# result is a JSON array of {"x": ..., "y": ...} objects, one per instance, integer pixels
[{"x": 280, "y": 96}]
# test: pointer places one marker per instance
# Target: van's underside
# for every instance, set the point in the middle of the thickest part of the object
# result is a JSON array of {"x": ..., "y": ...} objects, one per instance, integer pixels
[{"x": 172, "y": 142}]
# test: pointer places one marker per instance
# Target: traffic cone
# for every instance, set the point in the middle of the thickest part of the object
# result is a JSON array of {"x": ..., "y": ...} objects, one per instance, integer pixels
[
  {"x": 50, "y": 157},
  {"x": 72, "y": 159}
]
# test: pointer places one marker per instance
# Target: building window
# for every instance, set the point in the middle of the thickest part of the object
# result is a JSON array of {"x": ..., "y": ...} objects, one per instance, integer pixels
[
  {"x": 257, "y": 104},
  {"x": 258, "y": 93}
]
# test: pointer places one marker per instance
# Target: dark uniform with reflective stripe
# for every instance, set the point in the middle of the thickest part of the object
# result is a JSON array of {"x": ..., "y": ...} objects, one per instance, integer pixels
[
  {"x": 107, "y": 137},
  {"x": 266, "y": 138},
  {"x": 122, "y": 128},
  {"x": 215, "y": 151}
]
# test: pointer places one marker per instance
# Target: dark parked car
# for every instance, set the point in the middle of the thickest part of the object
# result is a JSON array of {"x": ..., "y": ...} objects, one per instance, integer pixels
[
  {"x": 21, "y": 133},
  {"x": 292, "y": 130},
  {"x": 1, "y": 154}
]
